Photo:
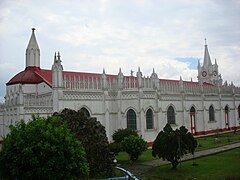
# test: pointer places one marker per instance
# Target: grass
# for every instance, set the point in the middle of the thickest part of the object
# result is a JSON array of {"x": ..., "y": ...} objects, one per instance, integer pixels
[
  {"x": 205, "y": 142},
  {"x": 219, "y": 166},
  {"x": 217, "y": 140}
]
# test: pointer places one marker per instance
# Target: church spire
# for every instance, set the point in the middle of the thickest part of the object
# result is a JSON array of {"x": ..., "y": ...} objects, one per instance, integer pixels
[
  {"x": 207, "y": 60},
  {"x": 33, "y": 52}
]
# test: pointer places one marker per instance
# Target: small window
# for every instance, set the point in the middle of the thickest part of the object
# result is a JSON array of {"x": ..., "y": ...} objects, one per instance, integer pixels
[
  {"x": 131, "y": 119},
  {"x": 211, "y": 114},
  {"x": 149, "y": 119},
  {"x": 171, "y": 115}
]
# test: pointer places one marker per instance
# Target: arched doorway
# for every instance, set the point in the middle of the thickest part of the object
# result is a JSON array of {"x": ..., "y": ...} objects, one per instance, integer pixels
[
  {"x": 226, "y": 112},
  {"x": 192, "y": 120}
]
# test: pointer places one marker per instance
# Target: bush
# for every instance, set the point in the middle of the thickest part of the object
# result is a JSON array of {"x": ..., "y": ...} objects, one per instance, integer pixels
[
  {"x": 93, "y": 137},
  {"x": 134, "y": 146},
  {"x": 119, "y": 135},
  {"x": 115, "y": 147},
  {"x": 42, "y": 149}
]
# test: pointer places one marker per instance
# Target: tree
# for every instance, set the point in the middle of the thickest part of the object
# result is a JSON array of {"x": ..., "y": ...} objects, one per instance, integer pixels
[
  {"x": 42, "y": 149},
  {"x": 172, "y": 145},
  {"x": 134, "y": 146},
  {"x": 118, "y": 136},
  {"x": 93, "y": 137}
]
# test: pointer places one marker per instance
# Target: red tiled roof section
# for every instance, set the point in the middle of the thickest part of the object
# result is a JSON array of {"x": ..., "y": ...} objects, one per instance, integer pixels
[
  {"x": 87, "y": 75},
  {"x": 35, "y": 75},
  {"x": 170, "y": 81},
  {"x": 32, "y": 75}
]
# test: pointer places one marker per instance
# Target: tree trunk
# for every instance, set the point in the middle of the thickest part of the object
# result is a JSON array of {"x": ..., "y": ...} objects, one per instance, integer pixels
[{"x": 174, "y": 164}]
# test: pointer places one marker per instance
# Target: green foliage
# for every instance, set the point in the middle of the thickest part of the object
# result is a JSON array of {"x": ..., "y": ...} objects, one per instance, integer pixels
[
  {"x": 172, "y": 145},
  {"x": 93, "y": 137},
  {"x": 115, "y": 147},
  {"x": 42, "y": 149},
  {"x": 134, "y": 146},
  {"x": 119, "y": 135}
]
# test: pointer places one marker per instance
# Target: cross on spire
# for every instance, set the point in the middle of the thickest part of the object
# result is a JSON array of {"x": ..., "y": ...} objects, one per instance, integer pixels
[{"x": 205, "y": 41}]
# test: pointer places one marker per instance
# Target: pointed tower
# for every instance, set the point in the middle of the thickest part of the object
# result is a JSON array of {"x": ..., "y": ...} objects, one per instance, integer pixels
[
  {"x": 139, "y": 78},
  {"x": 206, "y": 60},
  {"x": 57, "y": 70},
  {"x": 181, "y": 84},
  {"x": 33, "y": 52},
  {"x": 155, "y": 80},
  {"x": 120, "y": 79},
  {"x": 104, "y": 80},
  {"x": 208, "y": 72}
]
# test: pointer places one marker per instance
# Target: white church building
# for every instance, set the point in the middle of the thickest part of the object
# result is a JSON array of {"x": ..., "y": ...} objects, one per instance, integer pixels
[{"x": 119, "y": 101}]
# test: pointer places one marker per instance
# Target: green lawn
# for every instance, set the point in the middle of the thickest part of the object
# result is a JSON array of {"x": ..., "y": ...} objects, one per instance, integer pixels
[
  {"x": 206, "y": 142},
  {"x": 217, "y": 140},
  {"x": 219, "y": 166}
]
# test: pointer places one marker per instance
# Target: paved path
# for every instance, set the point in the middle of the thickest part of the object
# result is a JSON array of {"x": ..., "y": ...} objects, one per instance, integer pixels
[{"x": 139, "y": 169}]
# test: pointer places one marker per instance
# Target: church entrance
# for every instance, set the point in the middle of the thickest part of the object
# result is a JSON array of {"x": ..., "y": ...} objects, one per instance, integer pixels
[
  {"x": 192, "y": 120},
  {"x": 226, "y": 117}
]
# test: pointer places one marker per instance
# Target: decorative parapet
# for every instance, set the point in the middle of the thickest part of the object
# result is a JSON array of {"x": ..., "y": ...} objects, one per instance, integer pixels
[
  {"x": 230, "y": 89},
  {"x": 120, "y": 82},
  {"x": 38, "y": 100}
]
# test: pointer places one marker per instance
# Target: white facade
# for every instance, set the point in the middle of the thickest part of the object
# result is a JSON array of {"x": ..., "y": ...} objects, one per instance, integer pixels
[{"x": 119, "y": 101}]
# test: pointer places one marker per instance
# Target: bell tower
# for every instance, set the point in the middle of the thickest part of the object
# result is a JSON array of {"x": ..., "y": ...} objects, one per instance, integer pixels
[
  {"x": 208, "y": 72},
  {"x": 33, "y": 52}
]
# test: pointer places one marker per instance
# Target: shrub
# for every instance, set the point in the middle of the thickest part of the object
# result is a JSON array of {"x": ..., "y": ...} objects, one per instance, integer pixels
[
  {"x": 93, "y": 137},
  {"x": 119, "y": 135},
  {"x": 42, "y": 149},
  {"x": 134, "y": 146}
]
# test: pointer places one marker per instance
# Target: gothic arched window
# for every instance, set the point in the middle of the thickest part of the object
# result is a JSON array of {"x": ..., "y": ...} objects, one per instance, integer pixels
[
  {"x": 85, "y": 112},
  {"x": 239, "y": 111},
  {"x": 131, "y": 119},
  {"x": 226, "y": 109},
  {"x": 149, "y": 119},
  {"x": 192, "y": 110},
  {"x": 211, "y": 113},
  {"x": 171, "y": 115}
]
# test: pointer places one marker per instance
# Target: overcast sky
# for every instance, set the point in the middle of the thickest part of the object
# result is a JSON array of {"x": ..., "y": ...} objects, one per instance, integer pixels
[{"x": 96, "y": 34}]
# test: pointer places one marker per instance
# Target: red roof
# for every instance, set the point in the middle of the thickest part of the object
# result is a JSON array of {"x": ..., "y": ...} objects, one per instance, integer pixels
[
  {"x": 32, "y": 75},
  {"x": 36, "y": 75},
  {"x": 87, "y": 75}
]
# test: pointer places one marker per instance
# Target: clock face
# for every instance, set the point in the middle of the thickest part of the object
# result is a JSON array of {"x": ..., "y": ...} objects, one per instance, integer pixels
[{"x": 204, "y": 73}]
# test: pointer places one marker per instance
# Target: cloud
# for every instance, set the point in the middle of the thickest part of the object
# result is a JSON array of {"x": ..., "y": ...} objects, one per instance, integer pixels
[{"x": 92, "y": 35}]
